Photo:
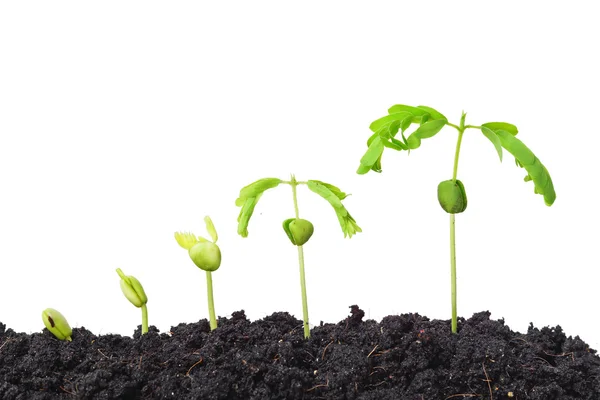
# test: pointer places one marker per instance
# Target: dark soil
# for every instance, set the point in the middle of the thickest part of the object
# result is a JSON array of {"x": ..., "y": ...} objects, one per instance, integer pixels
[{"x": 403, "y": 357}]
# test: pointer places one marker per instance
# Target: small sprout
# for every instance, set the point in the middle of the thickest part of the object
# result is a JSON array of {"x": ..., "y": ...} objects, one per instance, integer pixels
[
  {"x": 206, "y": 255},
  {"x": 57, "y": 324},
  {"x": 452, "y": 196},
  {"x": 451, "y": 193},
  {"x": 298, "y": 230},
  {"x": 134, "y": 292}
]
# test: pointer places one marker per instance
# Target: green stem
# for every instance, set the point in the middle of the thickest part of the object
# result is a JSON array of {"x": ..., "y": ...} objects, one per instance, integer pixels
[
  {"x": 211, "y": 302},
  {"x": 461, "y": 130},
  {"x": 294, "y": 183},
  {"x": 144, "y": 319}
]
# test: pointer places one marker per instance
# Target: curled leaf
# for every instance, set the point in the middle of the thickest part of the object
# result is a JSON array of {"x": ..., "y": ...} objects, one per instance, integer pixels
[
  {"x": 505, "y": 126},
  {"x": 347, "y": 223},
  {"x": 433, "y": 113},
  {"x": 256, "y": 188},
  {"x": 536, "y": 171},
  {"x": 245, "y": 214},
  {"x": 491, "y": 135},
  {"x": 372, "y": 158}
]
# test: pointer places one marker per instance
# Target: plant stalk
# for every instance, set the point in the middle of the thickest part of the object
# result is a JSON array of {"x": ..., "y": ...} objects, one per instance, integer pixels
[
  {"x": 211, "y": 302},
  {"x": 294, "y": 183},
  {"x": 144, "y": 319},
  {"x": 461, "y": 129}
]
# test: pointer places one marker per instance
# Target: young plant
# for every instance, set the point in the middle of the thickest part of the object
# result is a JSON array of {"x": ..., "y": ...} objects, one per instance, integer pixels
[
  {"x": 451, "y": 193},
  {"x": 57, "y": 324},
  {"x": 298, "y": 230},
  {"x": 133, "y": 290},
  {"x": 207, "y": 256}
]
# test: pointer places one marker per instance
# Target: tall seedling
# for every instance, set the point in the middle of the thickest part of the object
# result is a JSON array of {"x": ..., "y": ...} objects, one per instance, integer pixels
[{"x": 451, "y": 193}]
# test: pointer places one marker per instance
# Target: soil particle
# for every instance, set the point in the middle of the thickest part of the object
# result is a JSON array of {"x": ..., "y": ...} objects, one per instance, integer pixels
[{"x": 404, "y": 356}]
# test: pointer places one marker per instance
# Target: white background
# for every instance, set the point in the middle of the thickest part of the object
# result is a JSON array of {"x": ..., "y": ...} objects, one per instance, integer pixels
[{"x": 123, "y": 122}]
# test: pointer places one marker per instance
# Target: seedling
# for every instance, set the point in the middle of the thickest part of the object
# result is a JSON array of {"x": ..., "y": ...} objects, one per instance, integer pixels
[
  {"x": 207, "y": 256},
  {"x": 133, "y": 290},
  {"x": 57, "y": 324},
  {"x": 451, "y": 193},
  {"x": 298, "y": 230}
]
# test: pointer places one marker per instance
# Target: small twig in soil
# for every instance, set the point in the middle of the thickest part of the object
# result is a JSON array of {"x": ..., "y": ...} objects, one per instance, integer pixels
[
  {"x": 198, "y": 362},
  {"x": 6, "y": 341},
  {"x": 318, "y": 386},
  {"x": 487, "y": 379},
  {"x": 462, "y": 395},
  {"x": 325, "y": 349},
  {"x": 376, "y": 371},
  {"x": 100, "y": 351},
  {"x": 374, "y": 348},
  {"x": 561, "y": 355},
  {"x": 140, "y": 363},
  {"x": 66, "y": 391}
]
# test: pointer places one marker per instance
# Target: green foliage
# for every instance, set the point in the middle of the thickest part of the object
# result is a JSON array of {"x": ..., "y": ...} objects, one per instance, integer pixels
[
  {"x": 399, "y": 119},
  {"x": 347, "y": 223},
  {"x": 57, "y": 324},
  {"x": 248, "y": 198}
]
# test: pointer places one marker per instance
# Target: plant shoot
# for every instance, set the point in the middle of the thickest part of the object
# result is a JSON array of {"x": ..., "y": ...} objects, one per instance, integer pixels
[
  {"x": 298, "y": 230},
  {"x": 451, "y": 193},
  {"x": 134, "y": 292},
  {"x": 57, "y": 324},
  {"x": 207, "y": 256}
]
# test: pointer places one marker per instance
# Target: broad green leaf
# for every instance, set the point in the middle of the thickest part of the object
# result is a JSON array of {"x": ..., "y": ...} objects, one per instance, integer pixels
[
  {"x": 377, "y": 124},
  {"x": 434, "y": 113},
  {"x": 413, "y": 142},
  {"x": 505, "y": 126},
  {"x": 405, "y": 124},
  {"x": 389, "y": 130},
  {"x": 417, "y": 112},
  {"x": 371, "y": 138},
  {"x": 371, "y": 157},
  {"x": 491, "y": 135},
  {"x": 256, "y": 188},
  {"x": 429, "y": 129},
  {"x": 535, "y": 169},
  {"x": 245, "y": 214},
  {"x": 347, "y": 223},
  {"x": 210, "y": 227},
  {"x": 334, "y": 189},
  {"x": 395, "y": 144}
]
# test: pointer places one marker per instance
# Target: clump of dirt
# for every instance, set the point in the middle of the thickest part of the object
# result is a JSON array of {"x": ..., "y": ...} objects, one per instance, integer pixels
[{"x": 404, "y": 356}]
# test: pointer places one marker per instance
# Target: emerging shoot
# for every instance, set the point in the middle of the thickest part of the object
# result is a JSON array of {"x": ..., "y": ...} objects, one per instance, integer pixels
[
  {"x": 57, "y": 324},
  {"x": 134, "y": 292},
  {"x": 451, "y": 193},
  {"x": 207, "y": 256},
  {"x": 298, "y": 230}
]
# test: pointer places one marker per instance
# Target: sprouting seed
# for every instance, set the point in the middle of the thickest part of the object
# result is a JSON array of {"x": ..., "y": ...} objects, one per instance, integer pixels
[
  {"x": 134, "y": 292},
  {"x": 57, "y": 324}
]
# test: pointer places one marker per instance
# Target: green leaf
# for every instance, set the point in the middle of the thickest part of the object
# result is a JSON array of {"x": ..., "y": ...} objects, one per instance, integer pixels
[
  {"x": 434, "y": 113},
  {"x": 417, "y": 112},
  {"x": 405, "y": 124},
  {"x": 377, "y": 124},
  {"x": 334, "y": 189},
  {"x": 505, "y": 126},
  {"x": 347, "y": 223},
  {"x": 256, "y": 188},
  {"x": 395, "y": 144},
  {"x": 210, "y": 227},
  {"x": 413, "y": 142},
  {"x": 491, "y": 135},
  {"x": 429, "y": 129},
  {"x": 372, "y": 157},
  {"x": 245, "y": 214},
  {"x": 535, "y": 169}
]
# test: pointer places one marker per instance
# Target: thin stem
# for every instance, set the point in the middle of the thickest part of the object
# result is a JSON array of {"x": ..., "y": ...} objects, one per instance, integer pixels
[
  {"x": 453, "y": 274},
  {"x": 303, "y": 289},
  {"x": 461, "y": 130},
  {"x": 144, "y": 319},
  {"x": 294, "y": 183},
  {"x": 211, "y": 302}
]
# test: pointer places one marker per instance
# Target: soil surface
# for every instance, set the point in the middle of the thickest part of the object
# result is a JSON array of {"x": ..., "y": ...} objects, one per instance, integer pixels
[{"x": 402, "y": 357}]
